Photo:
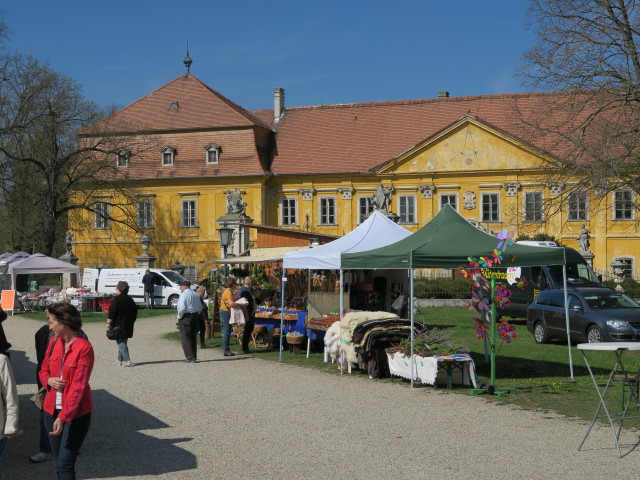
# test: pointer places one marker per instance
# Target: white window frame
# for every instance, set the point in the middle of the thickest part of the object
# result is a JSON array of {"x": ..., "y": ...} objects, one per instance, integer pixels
[
  {"x": 483, "y": 211},
  {"x": 407, "y": 209},
  {"x": 189, "y": 213},
  {"x": 449, "y": 197},
  {"x": 212, "y": 154},
  {"x": 364, "y": 208},
  {"x": 170, "y": 153},
  {"x": 538, "y": 216},
  {"x": 145, "y": 219},
  {"x": 577, "y": 206},
  {"x": 286, "y": 217},
  {"x": 327, "y": 210},
  {"x": 122, "y": 159},
  {"x": 614, "y": 205},
  {"x": 101, "y": 216}
]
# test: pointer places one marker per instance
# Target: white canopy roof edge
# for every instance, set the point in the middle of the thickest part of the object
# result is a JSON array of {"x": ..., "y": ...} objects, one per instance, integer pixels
[
  {"x": 39, "y": 263},
  {"x": 376, "y": 231}
]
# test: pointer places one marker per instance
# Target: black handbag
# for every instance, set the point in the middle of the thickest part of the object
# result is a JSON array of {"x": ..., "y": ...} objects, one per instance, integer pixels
[
  {"x": 38, "y": 398},
  {"x": 113, "y": 333}
]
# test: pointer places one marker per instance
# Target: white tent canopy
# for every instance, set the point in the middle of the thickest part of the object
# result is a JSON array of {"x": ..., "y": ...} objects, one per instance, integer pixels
[
  {"x": 40, "y": 264},
  {"x": 376, "y": 231}
]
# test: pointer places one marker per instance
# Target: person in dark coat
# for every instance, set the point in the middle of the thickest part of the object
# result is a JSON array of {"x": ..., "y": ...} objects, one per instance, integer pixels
[
  {"x": 250, "y": 320},
  {"x": 122, "y": 314},
  {"x": 149, "y": 281},
  {"x": 204, "y": 315}
]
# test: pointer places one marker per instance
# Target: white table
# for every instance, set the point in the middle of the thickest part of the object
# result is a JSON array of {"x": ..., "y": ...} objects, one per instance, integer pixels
[{"x": 618, "y": 369}]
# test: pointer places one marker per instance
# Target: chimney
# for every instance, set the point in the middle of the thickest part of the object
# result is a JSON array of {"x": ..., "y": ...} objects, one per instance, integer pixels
[
  {"x": 278, "y": 103},
  {"x": 443, "y": 94}
]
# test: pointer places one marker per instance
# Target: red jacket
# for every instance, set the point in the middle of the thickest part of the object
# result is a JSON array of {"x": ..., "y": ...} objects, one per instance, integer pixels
[{"x": 76, "y": 370}]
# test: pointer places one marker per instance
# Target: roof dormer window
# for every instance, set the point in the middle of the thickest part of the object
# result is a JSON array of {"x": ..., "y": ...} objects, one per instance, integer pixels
[
  {"x": 122, "y": 158},
  {"x": 168, "y": 155},
  {"x": 212, "y": 153}
]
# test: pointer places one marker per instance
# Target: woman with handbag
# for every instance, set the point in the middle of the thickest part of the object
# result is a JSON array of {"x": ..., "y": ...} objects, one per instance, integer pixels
[
  {"x": 227, "y": 301},
  {"x": 65, "y": 373},
  {"x": 123, "y": 312}
]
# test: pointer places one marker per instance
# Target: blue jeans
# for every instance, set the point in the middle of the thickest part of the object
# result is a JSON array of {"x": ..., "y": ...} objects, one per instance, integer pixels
[
  {"x": 3, "y": 447},
  {"x": 123, "y": 350},
  {"x": 45, "y": 444},
  {"x": 65, "y": 447},
  {"x": 225, "y": 316}
]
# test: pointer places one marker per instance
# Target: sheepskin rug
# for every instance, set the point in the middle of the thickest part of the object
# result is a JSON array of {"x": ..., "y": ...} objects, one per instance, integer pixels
[{"x": 332, "y": 338}]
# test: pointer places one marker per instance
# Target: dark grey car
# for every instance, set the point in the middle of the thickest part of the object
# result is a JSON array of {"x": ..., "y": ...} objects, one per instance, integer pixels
[{"x": 595, "y": 315}]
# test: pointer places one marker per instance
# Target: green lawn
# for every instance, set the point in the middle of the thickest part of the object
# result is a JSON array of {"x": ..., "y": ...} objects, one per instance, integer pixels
[{"x": 539, "y": 373}]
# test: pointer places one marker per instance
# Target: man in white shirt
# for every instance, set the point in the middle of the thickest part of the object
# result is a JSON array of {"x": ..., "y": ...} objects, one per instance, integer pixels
[{"x": 188, "y": 320}]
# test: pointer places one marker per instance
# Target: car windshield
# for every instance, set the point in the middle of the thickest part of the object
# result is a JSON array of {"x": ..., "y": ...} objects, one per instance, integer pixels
[
  {"x": 577, "y": 274},
  {"x": 173, "y": 276},
  {"x": 608, "y": 300}
]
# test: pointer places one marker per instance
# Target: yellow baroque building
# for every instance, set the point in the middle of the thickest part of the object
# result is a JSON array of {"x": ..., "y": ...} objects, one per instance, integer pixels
[{"x": 318, "y": 168}]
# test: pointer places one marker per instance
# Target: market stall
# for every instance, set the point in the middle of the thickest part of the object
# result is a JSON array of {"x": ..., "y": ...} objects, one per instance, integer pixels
[
  {"x": 448, "y": 241},
  {"x": 376, "y": 231},
  {"x": 39, "y": 264}
]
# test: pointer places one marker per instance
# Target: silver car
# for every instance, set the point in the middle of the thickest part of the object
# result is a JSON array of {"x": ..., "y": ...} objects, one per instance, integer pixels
[{"x": 595, "y": 315}]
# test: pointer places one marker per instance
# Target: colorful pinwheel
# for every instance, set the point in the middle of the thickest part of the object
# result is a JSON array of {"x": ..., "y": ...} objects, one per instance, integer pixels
[
  {"x": 506, "y": 238},
  {"x": 502, "y": 297},
  {"x": 497, "y": 256}
]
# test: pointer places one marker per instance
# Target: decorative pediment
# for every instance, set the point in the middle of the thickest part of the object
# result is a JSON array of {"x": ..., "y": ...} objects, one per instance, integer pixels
[{"x": 307, "y": 193}]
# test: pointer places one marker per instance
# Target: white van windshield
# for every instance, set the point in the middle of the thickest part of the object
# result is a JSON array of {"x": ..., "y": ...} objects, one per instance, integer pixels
[{"x": 173, "y": 276}]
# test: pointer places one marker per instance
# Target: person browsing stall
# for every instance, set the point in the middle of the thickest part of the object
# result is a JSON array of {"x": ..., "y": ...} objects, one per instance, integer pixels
[
  {"x": 189, "y": 307},
  {"x": 250, "y": 321}
]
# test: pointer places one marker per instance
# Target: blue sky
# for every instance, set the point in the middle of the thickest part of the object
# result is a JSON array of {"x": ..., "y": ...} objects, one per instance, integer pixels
[{"x": 320, "y": 52}]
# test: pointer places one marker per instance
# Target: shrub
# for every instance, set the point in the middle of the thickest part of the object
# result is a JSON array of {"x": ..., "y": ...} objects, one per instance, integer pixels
[{"x": 441, "y": 288}]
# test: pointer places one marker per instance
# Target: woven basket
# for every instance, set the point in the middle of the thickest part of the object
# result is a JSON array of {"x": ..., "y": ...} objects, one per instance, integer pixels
[{"x": 295, "y": 339}]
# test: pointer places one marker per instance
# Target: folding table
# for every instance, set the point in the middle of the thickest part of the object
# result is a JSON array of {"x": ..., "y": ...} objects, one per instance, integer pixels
[{"x": 618, "y": 369}]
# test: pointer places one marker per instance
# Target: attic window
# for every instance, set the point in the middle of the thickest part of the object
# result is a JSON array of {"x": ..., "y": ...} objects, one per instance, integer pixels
[
  {"x": 168, "y": 154},
  {"x": 122, "y": 158},
  {"x": 174, "y": 106},
  {"x": 212, "y": 154}
]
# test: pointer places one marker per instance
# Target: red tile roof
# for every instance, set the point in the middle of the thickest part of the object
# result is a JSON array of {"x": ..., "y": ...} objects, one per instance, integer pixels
[
  {"x": 357, "y": 137},
  {"x": 198, "y": 106}
]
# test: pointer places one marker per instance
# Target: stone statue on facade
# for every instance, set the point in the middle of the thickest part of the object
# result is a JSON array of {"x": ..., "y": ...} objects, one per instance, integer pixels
[
  {"x": 235, "y": 204},
  {"x": 68, "y": 242},
  {"x": 381, "y": 198},
  {"x": 583, "y": 239}
]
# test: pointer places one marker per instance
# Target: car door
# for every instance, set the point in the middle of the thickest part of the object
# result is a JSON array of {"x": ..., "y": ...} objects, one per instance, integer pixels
[
  {"x": 577, "y": 317},
  {"x": 554, "y": 316}
]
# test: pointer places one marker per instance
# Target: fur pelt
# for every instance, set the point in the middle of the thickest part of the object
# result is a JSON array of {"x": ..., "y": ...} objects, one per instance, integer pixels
[{"x": 337, "y": 343}]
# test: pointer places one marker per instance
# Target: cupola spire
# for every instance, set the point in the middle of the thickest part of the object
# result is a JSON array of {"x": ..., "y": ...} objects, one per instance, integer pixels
[{"x": 187, "y": 60}]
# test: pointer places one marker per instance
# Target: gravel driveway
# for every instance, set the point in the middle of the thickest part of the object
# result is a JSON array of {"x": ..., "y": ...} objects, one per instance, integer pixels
[{"x": 244, "y": 418}]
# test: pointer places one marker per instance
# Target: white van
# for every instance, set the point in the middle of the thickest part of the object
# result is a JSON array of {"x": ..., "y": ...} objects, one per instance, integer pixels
[{"x": 167, "y": 289}]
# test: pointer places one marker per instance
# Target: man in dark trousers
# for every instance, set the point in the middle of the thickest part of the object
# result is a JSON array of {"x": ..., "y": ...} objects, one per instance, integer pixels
[
  {"x": 250, "y": 320},
  {"x": 149, "y": 281},
  {"x": 189, "y": 307}
]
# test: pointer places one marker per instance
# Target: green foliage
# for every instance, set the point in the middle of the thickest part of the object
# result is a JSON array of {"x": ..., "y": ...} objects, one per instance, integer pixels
[
  {"x": 441, "y": 288},
  {"x": 434, "y": 342},
  {"x": 631, "y": 287}
]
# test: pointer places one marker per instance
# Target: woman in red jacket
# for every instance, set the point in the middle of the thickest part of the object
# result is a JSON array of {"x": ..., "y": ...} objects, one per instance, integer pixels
[{"x": 65, "y": 372}]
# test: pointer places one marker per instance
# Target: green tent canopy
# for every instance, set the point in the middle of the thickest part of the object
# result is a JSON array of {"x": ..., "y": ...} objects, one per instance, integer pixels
[{"x": 446, "y": 242}]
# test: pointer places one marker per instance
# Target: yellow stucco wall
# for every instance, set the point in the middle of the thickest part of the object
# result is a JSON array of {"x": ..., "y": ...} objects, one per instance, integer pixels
[{"x": 468, "y": 157}]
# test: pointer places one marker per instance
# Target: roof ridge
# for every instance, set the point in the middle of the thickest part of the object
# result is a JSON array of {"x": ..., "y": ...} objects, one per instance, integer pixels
[{"x": 420, "y": 101}]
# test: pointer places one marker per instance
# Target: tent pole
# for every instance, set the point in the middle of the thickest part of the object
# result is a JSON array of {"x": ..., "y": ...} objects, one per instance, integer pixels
[
  {"x": 341, "y": 310},
  {"x": 412, "y": 320},
  {"x": 566, "y": 317},
  {"x": 284, "y": 285},
  {"x": 494, "y": 314}
]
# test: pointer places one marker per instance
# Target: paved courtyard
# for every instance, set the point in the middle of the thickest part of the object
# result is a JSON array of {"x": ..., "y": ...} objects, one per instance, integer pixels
[{"x": 244, "y": 418}]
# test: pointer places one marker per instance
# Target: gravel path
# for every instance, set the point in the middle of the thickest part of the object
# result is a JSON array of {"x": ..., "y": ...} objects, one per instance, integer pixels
[{"x": 244, "y": 418}]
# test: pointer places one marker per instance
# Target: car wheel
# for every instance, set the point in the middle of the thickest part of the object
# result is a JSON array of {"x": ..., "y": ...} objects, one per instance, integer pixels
[
  {"x": 540, "y": 333},
  {"x": 173, "y": 301},
  {"x": 594, "y": 335}
]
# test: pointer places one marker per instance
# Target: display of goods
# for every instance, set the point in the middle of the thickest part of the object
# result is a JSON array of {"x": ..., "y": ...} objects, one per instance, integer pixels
[{"x": 295, "y": 339}]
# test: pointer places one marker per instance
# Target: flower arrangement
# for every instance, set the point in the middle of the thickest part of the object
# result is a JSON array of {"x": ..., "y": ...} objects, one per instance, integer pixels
[{"x": 429, "y": 343}]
